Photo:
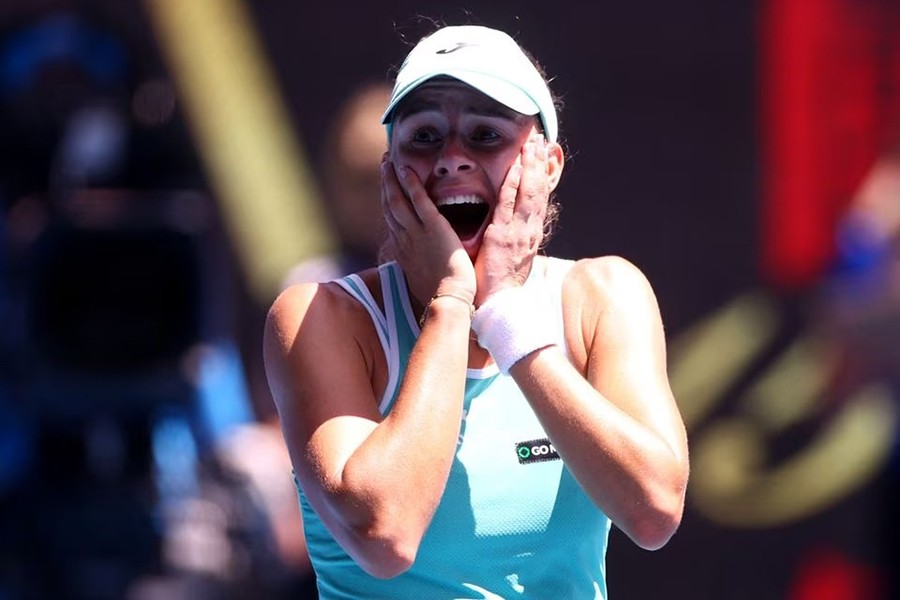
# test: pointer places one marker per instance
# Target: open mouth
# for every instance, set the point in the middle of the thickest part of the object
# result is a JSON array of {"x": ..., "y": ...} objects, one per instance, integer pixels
[{"x": 466, "y": 214}]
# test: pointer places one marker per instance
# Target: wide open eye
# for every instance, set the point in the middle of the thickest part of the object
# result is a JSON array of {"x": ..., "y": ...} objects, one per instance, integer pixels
[
  {"x": 485, "y": 135},
  {"x": 425, "y": 135}
]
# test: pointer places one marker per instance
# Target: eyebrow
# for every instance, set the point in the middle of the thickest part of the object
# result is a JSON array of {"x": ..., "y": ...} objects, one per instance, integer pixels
[{"x": 421, "y": 105}]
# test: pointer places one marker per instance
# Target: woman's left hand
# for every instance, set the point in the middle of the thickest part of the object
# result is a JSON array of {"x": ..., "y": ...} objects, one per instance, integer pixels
[{"x": 513, "y": 237}]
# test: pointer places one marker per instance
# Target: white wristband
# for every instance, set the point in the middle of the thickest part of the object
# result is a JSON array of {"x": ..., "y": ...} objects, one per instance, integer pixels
[{"x": 512, "y": 324}]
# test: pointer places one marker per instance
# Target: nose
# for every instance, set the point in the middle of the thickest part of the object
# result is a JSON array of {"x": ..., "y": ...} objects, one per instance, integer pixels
[{"x": 453, "y": 158}]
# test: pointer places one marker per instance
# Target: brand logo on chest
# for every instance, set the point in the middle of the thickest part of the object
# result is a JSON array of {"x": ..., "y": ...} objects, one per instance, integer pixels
[{"x": 534, "y": 451}]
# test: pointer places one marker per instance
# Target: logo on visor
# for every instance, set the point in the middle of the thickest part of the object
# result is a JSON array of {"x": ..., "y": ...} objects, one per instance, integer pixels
[{"x": 454, "y": 48}]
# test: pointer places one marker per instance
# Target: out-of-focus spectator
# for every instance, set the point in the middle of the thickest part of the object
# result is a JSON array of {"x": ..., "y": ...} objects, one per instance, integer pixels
[
  {"x": 860, "y": 300},
  {"x": 351, "y": 183}
]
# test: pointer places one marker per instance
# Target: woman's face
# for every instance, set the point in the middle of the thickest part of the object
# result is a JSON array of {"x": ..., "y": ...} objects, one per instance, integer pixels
[{"x": 461, "y": 144}]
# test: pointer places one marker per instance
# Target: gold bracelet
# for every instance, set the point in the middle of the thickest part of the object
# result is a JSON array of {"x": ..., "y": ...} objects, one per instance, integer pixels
[{"x": 448, "y": 295}]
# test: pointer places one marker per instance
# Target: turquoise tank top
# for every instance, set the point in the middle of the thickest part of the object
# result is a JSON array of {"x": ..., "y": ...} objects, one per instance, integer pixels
[{"x": 512, "y": 523}]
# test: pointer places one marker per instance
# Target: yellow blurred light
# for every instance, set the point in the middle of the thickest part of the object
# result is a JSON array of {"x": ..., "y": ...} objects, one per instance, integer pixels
[{"x": 259, "y": 172}]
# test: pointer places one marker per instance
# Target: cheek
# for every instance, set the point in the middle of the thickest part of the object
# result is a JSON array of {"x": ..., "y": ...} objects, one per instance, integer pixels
[
  {"x": 498, "y": 172},
  {"x": 420, "y": 166}
]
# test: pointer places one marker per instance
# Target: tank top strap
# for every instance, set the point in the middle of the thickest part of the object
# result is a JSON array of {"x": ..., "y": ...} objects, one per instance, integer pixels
[
  {"x": 401, "y": 326},
  {"x": 384, "y": 327}
]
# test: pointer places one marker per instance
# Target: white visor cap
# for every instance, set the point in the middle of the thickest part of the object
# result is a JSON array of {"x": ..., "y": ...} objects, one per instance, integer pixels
[{"x": 486, "y": 59}]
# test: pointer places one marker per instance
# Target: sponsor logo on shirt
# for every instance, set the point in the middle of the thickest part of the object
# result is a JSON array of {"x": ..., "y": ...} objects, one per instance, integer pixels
[{"x": 534, "y": 451}]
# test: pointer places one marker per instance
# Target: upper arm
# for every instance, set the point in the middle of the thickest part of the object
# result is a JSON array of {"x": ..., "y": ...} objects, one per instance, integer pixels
[
  {"x": 319, "y": 372},
  {"x": 624, "y": 344}
]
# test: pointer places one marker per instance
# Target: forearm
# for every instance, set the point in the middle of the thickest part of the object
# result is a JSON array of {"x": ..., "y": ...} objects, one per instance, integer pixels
[
  {"x": 392, "y": 483},
  {"x": 631, "y": 472}
]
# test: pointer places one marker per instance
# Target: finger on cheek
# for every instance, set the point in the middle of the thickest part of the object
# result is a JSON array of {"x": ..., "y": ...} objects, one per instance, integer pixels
[
  {"x": 531, "y": 152},
  {"x": 541, "y": 147},
  {"x": 515, "y": 174},
  {"x": 544, "y": 156},
  {"x": 410, "y": 181}
]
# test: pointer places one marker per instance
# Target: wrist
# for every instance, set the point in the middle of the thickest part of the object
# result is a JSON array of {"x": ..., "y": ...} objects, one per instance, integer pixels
[
  {"x": 512, "y": 324},
  {"x": 447, "y": 300}
]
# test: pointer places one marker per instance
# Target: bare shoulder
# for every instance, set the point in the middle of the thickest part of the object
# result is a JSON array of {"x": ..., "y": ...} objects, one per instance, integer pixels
[
  {"x": 290, "y": 307},
  {"x": 305, "y": 315},
  {"x": 607, "y": 304},
  {"x": 314, "y": 333},
  {"x": 314, "y": 306},
  {"x": 611, "y": 279}
]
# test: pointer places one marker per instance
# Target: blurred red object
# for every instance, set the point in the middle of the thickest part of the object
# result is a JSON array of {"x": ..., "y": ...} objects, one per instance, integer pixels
[
  {"x": 830, "y": 575},
  {"x": 829, "y": 94}
]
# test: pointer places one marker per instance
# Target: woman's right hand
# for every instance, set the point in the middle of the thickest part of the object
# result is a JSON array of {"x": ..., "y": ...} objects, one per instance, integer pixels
[{"x": 429, "y": 251}]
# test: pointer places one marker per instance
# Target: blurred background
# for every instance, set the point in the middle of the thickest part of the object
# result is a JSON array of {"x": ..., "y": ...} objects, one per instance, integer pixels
[{"x": 166, "y": 167}]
